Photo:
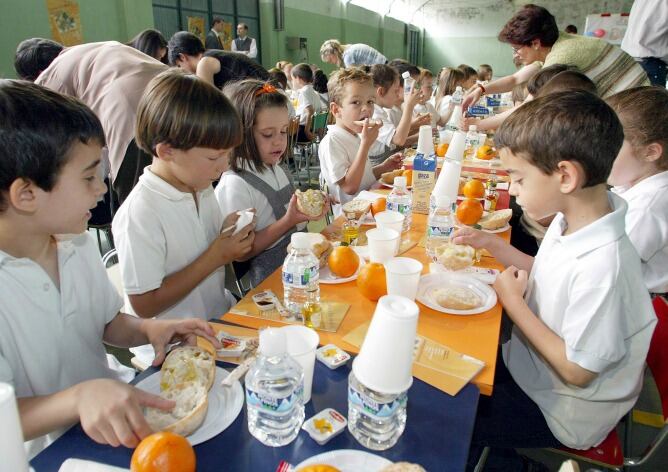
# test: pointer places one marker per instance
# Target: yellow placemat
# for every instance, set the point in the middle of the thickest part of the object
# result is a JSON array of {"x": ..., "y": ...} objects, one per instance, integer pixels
[
  {"x": 332, "y": 314},
  {"x": 434, "y": 363}
]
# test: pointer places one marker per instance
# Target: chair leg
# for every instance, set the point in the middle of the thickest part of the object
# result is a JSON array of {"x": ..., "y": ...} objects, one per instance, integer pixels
[{"x": 481, "y": 462}]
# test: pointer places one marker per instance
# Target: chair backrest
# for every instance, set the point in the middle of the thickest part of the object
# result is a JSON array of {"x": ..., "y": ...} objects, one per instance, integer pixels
[
  {"x": 110, "y": 262},
  {"x": 319, "y": 121},
  {"x": 657, "y": 357}
]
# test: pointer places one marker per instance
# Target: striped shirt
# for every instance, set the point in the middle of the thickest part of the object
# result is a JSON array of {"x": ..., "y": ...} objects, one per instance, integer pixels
[{"x": 610, "y": 68}]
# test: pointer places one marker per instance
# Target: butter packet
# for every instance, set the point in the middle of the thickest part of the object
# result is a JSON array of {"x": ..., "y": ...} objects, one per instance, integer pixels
[
  {"x": 233, "y": 346},
  {"x": 325, "y": 425},
  {"x": 332, "y": 356}
]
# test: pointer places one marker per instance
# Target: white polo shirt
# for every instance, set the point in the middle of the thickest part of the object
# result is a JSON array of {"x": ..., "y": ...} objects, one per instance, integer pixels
[
  {"x": 234, "y": 193},
  {"x": 337, "y": 152},
  {"x": 647, "y": 227},
  {"x": 306, "y": 96},
  {"x": 51, "y": 339},
  {"x": 383, "y": 143},
  {"x": 587, "y": 288},
  {"x": 158, "y": 231}
]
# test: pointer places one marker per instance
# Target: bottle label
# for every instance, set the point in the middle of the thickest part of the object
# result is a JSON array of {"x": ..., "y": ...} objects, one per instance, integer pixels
[
  {"x": 273, "y": 405},
  {"x": 371, "y": 407},
  {"x": 403, "y": 208},
  {"x": 301, "y": 279},
  {"x": 440, "y": 231}
]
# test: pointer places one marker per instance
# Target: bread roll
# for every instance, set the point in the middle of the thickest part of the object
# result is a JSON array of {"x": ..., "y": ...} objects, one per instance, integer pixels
[
  {"x": 311, "y": 202},
  {"x": 320, "y": 247},
  {"x": 455, "y": 256},
  {"x": 187, "y": 364},
  {"x": 191, "y": 406},
  {"x": 457, "y": 298},
  {"x": 496, "y": 219},
  {"x": 356, "y": 209},
  {"x": 388, "y": 177}
]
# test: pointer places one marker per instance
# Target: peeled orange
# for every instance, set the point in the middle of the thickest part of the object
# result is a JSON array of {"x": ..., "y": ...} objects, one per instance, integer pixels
[
  {"x": 473, "y": 189},
  {"x": 343, "y": 261},
  {"x": 378, "y": 206},
  {"x": 371, "y": 281},
  {"x": 441, "y": 149},
  {"x": 485, "y": 152},
  {"x": 163, "y": 452},
  {"x": 469, "y": 211}
]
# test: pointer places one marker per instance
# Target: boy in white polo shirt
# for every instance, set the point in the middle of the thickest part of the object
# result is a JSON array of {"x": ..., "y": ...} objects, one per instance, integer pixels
[
  {"x": 57, "y": 305},
  {"x": 172, "y": 241},
  {"x": 582, "y": 316},
  {"x": 344, "y": 150},
  {"x": 308, "y": 100}
]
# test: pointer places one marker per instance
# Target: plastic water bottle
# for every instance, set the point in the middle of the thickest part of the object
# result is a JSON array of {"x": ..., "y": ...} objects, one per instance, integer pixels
[
  {"x": 301, "y": 273},
  {"x": 274, "y": 392},
  {"x": 440, "y": 224},
  {"x": 375, "y": 419},
  {"x": 401, "y": 200},
  {"x": 408, "y": 82},
  {"x": 456, "y": 117},
  {"x": 472, "y": 141}
]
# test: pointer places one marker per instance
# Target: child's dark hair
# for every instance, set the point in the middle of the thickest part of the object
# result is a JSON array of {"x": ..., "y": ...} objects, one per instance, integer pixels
[
  {"x": 34, "y": 55},
  {"x": 320, "y": 81},
  {"x": 402, "y": 65},
  {"x": 303, "y": 71},
  {"x": 383, "y": 76},
  {"x": 642, "y": 111},
  {"x": 38, "y": 128},
  {"x": 541, "y": 77},
  {"x": 185, "y": 112},
  {"x": 484, "y": 70},
  {"x": 468, "y": 71},
  {"x": 249, "y": 97},
  {"x": 568, "y": 80},
  {"x": 278, "y": 78},
  {"x": 183, "y": 42},
  {"x": 564, "y": 126},
  {"x": 149, "y": 42}
]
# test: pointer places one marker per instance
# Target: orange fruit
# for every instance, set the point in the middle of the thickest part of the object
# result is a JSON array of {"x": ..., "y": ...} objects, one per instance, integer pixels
[
  {"x": 485, "y": 152},
  {"x": 441, "y": 149},
  {"x": 371, "y": 281},
  {"x": 378, "y": 206},
  {"x": 163, "y": 452},
  {"x": 473, "y": 189},
  {"x": 469, "y": 211},
  {"x": 343, "y": 261},
  {"x": 408, "y": 173}
]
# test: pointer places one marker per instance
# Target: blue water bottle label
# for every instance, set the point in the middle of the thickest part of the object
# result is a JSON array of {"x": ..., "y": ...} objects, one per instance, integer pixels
[
  {"x": 273, "y": 405},
  {"x": 371, "y": 407},
  {"x": 402, "y": 208},
  {"x": 440, "y": 231},
  {"x": 301, "y": 279}
]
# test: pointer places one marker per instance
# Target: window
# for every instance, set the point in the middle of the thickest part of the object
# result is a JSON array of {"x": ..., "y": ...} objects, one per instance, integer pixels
[{"x": 171, "y": 16}]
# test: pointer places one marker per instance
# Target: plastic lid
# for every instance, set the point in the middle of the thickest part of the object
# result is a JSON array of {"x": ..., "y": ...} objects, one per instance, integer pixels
[
  {"x": 473, "y": 128},
  {"x": 406, "y": 75},
  {"x": 300, "y": 241},
  {"x": 272, "y": 342},
  {"x": 442, "y": 201},
  {"x": 459, "y": 89},
  {"x": 400, "y": 181}
]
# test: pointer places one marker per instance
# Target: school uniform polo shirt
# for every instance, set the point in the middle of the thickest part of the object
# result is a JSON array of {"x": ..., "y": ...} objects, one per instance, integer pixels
[
  {"x": 383, "y": 143},
  {"x": 50, "y": 338},
  {"x": 307, "y": 97},
  {"x": 158, "y": 231},
  {"x": 647, "y": 227},
  {"x": 586, "y": 287},
  {"x": 337, "y": 152}
]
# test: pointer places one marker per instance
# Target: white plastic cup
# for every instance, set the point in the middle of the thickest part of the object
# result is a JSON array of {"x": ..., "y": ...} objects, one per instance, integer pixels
[
  {"x": 445, "y": 136},
  {"x": 447, "y": 183},
  {"x": 457, "y": 146},
  {"x": 391, "y": 220},
  {"x": 11, "y": 447},
  {"x": 385, "y": 361},
  {"x": 383, "y": 244},
  {"x": 301, "y": 343},
  {"x": 403, "y": 276}
]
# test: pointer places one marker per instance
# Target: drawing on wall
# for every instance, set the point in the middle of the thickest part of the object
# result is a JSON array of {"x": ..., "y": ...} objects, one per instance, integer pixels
[
  {"x": 226, "y": 36},
  {"x": 196, "y": 26},
  {"x": 65, "y": 21}
]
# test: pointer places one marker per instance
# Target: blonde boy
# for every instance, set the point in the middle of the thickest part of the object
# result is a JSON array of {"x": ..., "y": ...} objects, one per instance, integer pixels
[
  {"x": 169, "y": 231},
  {"x": 344, "y": 150},
  {"x": 57, "y": 306},
  {"x": 583, "y": 318}
]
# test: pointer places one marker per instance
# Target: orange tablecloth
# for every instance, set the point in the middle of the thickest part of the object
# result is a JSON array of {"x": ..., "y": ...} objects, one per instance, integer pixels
[{"x": 475, "y": 335}]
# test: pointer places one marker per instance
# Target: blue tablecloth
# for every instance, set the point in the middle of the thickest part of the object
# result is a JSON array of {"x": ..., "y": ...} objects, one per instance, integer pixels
[{"x": 437, "y": 436}]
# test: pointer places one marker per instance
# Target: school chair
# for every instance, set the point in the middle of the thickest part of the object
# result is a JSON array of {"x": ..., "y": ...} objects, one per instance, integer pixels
[
  {"x": 102, "y": 216},
  {"x": 293, "y": 129},
  {"x": 238, "y": 271},
  {"x": 318, "y": 127},
  {"x": 329, "y": 217},
  {"x": 610, "y": 453}
]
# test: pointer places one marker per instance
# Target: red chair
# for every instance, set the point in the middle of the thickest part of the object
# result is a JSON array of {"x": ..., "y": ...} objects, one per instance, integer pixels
[{"x": 609, "y": 453}]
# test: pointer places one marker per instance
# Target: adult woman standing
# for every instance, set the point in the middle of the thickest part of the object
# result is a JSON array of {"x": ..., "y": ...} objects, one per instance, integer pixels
[
  {"x": 346, "y": 55},
  {"x": 537, "y": 42},
  {"x": 152, "y": 43}
]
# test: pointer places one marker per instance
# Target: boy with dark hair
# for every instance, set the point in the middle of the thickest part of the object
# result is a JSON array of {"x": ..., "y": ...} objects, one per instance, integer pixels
[
  {"x": 55, "y": 296},
  {"x": 308, "y": 101},
  {"x": 568, "y": 80},
  {"x": 582, "y": 316}
]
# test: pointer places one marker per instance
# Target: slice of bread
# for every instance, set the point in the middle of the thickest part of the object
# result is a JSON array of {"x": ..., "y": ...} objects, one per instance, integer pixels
[
  {"x": 455, "y": 256},
  {"x": 457, "y": 298},
  {"x": 191, "y": 406},
  {"x": 187, "y": 364},
  {"x": 496, "y": 219},
  {"x": 356, "y": 209},
  {"x": 311, "y": 202}
]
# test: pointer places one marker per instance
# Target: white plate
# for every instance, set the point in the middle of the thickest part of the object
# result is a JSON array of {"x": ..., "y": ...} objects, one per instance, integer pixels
[
  {"x": 326, "y": 276},
  {"x": 492, "y": 231},
  {"x": 431, "y": 282},
  {"x": 225, "y": 404},
  {"x": 348, "y": 460}
]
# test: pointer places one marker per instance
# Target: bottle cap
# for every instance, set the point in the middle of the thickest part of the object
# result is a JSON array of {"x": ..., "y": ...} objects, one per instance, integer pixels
[
  {"x": 400, "y": 181},
  {"x": 459, "y": 89},
  {"x": 300, "y": 241},
  {"x": 473, "y": 128},
  {"x": 272, "y": 342},
  {"x": 406, "y": 75}
]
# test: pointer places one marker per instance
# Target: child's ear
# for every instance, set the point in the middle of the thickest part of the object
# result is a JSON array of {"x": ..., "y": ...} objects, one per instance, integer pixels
[
  {"x": 22, "y": 195},
  {"x": 335, "y": 109},
  {"x": 164, "y": 151},
  {"x": 571, "y": 175},
  {"x": 653, "y": 152},
  {"x": 380, "y": 92}
]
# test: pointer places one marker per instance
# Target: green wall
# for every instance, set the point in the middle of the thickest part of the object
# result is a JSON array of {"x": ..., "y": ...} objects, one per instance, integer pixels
[
  {"x": 101, "y": 20},
  {"x": 320, "y": 20}
]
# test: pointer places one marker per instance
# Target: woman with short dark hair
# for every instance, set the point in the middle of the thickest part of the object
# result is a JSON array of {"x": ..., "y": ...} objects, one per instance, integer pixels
[{"x": 152, "y": 43}]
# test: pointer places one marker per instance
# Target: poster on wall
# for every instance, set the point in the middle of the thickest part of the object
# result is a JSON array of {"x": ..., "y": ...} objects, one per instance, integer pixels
[
  {"x": 65, "y": 21},
  {"x": 226, "y": 36},
  {"x": 196, "y": 26}
]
